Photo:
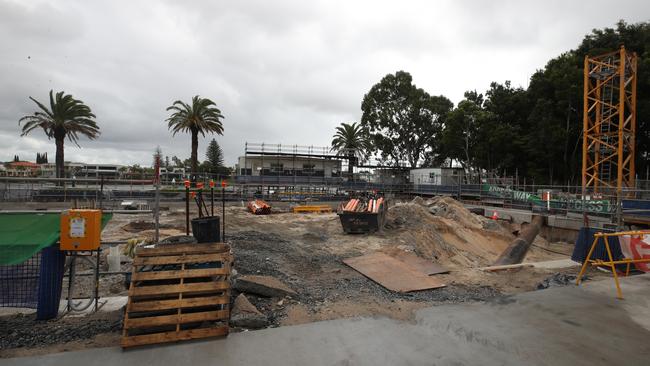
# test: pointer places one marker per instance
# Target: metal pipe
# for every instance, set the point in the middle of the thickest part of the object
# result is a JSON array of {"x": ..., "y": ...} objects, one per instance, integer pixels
[{"x": 516, "y": 251}]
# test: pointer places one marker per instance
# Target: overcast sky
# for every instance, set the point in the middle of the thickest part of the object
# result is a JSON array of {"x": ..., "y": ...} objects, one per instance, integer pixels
[{"x": 281, "y": 72}]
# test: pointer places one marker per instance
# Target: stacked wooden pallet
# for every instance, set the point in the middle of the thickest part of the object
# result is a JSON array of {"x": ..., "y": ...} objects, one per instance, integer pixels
[{"x": 178, "y": 292}]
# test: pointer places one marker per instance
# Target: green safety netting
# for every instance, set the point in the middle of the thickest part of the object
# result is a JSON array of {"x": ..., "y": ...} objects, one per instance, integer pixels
[{"x": 24, "y": 234}]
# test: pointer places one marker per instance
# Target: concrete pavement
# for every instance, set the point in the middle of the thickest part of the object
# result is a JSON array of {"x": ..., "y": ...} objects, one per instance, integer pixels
[{"x": 557, "y": 326}]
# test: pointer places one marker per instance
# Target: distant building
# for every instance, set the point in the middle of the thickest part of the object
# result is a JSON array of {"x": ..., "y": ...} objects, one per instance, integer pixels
[
  {"x": 20, "y": 169},
  {"x": 288, "y": 166},
  {"x": 107, "y": 171},
  {"x": 48, "y": 170},
  {"x": 436, "y": 176},
  {"x": 172, "y": 173}
]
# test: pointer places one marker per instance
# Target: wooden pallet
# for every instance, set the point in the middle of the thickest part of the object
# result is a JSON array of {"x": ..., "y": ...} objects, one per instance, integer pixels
[
  {"x": 178, "y": 292},
  {"x": 314, "y": 208}
]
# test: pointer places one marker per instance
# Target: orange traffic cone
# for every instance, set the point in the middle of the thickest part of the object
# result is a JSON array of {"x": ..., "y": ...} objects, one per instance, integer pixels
[{"x": 495, "y": 215}]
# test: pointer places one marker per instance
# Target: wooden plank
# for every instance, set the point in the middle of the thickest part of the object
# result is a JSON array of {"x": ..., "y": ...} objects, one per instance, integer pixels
[
  {"x": 392, "y": 273},
  {"x": 139, "y": 340},
  {"x": 178, "y": 303},
  {"x": 176, "y": 249},
  {"x": 425, "y": 266},
  {"x": 184, "y": 288},
  {"x": 187, "y": 273},
  {"x": 153, "y": 321},
  {"x": 504, "y": 267},
  {"x": 179, "y": 259},
  {"x": 313, "y": 208}
]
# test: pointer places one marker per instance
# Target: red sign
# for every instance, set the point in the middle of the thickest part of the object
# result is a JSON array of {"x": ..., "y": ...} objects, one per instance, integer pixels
[
  {"x": 187, "y": 184},
  {"x": 211, "y": 183},
  {"x": 199, "y": 185},
  {"x": 223, "y": 184}
]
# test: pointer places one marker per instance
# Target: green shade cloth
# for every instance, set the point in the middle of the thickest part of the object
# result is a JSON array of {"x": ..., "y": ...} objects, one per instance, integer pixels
[{"x": 24, "y": 234}]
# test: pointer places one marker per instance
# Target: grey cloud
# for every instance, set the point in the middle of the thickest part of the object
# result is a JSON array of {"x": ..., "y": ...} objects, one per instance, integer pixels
[{"x": 282, "y": 72}]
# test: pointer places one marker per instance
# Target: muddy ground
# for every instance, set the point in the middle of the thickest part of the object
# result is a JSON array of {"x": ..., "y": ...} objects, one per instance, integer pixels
[{"x": 305, "y": 251}]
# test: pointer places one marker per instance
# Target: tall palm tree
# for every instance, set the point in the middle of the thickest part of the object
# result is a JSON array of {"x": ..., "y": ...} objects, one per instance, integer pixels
[
  {"x": 351, "y": 140},
  {"x": 66, "y": 117},
  {"x": 201, "y": 116}
]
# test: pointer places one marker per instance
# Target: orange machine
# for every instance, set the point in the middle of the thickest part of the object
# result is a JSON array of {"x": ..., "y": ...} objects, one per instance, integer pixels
[{"x": 81, "y": 229}]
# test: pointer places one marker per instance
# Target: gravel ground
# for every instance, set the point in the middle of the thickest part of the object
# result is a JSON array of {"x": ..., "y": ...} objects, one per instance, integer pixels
[
  {"x": 321, "y": 278},
  {"x": 26, "y": 331}
]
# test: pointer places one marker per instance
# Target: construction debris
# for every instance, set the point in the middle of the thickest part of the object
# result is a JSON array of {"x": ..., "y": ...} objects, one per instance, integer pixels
[
  {"x": 245, "y": 315},
  {"x": 259, "y": 207},
  {"x": 391, "y": 273},
  {"x": 263, "y": 285},
  {"x": 359, "y": 205}
]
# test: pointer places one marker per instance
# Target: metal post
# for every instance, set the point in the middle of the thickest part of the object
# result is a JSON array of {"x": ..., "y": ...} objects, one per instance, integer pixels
[
  {"x": 223, "y": 213},
  {"x": 187, "y": 210},
  {"x": 101, "y": 193},
  {"x": 99, "y": 250},
  {"x": 157, "y": 212},
  {"x": 211, "y": 200}
]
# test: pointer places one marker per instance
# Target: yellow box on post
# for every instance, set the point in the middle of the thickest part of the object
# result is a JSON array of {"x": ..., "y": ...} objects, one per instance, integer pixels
[{"x": 80, "y": 229}]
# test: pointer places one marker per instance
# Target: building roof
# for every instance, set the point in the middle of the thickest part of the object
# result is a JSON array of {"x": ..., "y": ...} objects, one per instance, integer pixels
[{"x": 24, "y": 164}]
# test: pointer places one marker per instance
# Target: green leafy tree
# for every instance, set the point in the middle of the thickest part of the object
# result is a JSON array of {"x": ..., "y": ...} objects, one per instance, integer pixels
[
  {"x": 201, "y": 116},
  {"x": 65, "y": 117},
  {"x": 41, "y": 158},
  {"x": 403, "y": 120},
  {"x": 214, "y": 157},
  {"x": 460, "y": 134},
  {"x": 351, "y": 140},
  {"x": 177, "y": 162}
]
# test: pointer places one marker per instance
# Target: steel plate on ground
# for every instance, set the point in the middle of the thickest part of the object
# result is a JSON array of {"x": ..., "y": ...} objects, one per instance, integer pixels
[
  {"x": 391, "y": 273},
  {"x": 423, "y": 265}
]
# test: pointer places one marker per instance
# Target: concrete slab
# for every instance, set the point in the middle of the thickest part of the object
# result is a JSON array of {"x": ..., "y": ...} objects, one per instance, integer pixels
[
  {"x": 560, "y": 326},
  {"x": 106, "y": 304}
]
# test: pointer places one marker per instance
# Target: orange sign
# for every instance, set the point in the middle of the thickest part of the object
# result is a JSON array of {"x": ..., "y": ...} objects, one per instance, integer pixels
[
  {"x": 187, "y": 184},
  {"x": 211, "y": 183},
  {"x": 223, "y": 184},
  {"x": 199, "y": 185}
]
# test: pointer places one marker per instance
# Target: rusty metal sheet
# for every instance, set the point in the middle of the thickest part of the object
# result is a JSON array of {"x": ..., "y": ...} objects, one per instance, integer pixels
[
  {"x": 391, "y": 273},
  {"x": 423, "y": 265}
]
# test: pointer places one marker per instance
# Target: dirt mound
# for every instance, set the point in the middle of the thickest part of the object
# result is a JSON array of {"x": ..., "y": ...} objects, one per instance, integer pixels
[{"x": 442, "y": 229}]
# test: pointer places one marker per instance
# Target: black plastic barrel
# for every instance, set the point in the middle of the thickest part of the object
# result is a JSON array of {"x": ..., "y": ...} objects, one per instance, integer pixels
[{"x": 207, "y": 229}]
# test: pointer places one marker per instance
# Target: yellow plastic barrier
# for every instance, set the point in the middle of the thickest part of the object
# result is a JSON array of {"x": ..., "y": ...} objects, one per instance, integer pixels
[{"x": 611, "y": 263}]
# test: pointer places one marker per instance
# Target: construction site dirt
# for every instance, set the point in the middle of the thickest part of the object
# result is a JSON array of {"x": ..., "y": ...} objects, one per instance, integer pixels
[{"x": 306, "y": 252}]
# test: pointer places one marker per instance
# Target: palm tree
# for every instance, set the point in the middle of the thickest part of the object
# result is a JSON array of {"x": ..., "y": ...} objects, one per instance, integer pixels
[
  {"x": 66, "y": 117},
  {"x": 351, "y": 140},
  {"x": 201, "y": 116}
]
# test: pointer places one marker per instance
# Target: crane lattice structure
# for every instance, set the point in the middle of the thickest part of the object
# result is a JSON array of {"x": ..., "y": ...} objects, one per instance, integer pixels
[{"x": 608, "y": 146}]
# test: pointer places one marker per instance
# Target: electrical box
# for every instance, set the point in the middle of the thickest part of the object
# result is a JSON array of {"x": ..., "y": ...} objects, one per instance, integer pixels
[{"x": 81, "y": 229}]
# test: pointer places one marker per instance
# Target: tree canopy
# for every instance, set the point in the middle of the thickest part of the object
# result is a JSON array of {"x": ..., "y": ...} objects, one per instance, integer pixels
[
  {"x": 65, "y": 117},
  {"x": 404, "y": 121},
  {"x": 201, "y": 116},
  {"x": 214, "y": 157}
]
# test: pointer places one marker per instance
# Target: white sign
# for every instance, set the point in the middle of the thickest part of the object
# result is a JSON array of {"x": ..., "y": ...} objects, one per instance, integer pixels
[{"x": 77, "y": 227}]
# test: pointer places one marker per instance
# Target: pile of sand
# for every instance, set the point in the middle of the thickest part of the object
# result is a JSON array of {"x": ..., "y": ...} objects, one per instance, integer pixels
[{"x": 444, "y": 230}]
